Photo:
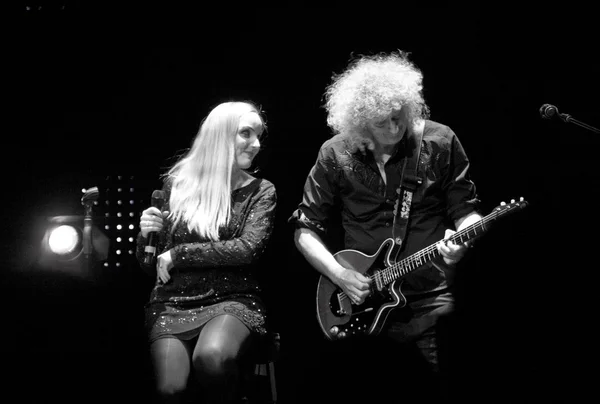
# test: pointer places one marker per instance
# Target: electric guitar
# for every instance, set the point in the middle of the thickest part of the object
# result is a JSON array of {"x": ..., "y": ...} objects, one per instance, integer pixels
[{"x": 339, "y": 318}]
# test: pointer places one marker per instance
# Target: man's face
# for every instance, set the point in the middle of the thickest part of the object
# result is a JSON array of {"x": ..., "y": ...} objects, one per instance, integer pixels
[{"x": 389, "y": 130}]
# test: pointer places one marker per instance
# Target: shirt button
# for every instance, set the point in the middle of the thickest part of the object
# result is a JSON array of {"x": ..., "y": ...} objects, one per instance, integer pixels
[{"x": 387, "y": 224}]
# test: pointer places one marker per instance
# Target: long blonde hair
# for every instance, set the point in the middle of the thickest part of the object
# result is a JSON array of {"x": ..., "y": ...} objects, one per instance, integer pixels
[{"x": 201, "y": 179}]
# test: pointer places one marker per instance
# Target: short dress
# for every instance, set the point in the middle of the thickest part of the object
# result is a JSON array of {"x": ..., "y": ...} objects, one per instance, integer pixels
[{"x": 211, "y": 278}]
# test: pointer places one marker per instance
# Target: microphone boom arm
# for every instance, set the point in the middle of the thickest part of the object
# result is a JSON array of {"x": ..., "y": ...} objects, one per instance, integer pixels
[
  {"x": 568, "y": 118},
  {"x": 547, "y": 111}
]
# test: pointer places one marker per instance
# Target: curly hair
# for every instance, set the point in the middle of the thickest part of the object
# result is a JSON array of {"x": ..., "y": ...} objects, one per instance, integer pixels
[{"x": 370, "y": 88}]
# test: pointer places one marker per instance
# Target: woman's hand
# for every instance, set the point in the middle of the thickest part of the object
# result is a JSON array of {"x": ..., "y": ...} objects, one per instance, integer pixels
[
  {"x": 164, "y": 264},
  {"x": 151, "y": 220}
]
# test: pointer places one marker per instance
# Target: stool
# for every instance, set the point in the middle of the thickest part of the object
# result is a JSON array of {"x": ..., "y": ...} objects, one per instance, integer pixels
[{"x": 264, "y": 367}]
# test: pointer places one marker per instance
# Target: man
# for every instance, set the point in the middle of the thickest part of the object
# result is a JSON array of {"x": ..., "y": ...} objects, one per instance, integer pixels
[{"x": 368, "y": 171}]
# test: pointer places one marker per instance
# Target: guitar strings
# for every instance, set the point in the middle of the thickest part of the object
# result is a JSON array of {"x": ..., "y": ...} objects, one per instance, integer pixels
[{"x": 403, "y": 267}]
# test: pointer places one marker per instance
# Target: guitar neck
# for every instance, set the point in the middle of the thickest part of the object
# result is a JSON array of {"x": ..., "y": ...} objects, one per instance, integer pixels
[{"x": 420, "y": 258}]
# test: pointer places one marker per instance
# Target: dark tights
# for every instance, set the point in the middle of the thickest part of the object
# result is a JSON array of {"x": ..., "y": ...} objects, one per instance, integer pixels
[{"x": 214, "y": 358}]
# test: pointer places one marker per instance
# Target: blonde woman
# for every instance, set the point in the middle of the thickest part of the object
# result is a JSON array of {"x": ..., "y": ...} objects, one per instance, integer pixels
[{"x": 205, "y": 310}]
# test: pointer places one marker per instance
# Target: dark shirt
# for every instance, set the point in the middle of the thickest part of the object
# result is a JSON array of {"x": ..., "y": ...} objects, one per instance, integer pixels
[{"x": 348, "y": 183}]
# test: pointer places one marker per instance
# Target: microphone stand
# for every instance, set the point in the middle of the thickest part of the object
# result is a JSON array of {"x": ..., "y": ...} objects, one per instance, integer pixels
[
  {"x": 87, "y": 201},
  {"x": 87, "y": 230},
  {"x": 568, "y": 118}
]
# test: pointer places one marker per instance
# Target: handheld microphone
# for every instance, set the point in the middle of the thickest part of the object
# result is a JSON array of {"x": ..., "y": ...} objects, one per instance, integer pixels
[
  {"x": 547, "y": 111},
  {"x": 158, "y": 200}
]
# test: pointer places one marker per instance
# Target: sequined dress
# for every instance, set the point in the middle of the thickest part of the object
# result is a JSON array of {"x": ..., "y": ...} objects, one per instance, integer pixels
[{"x": 212, "y": 278}]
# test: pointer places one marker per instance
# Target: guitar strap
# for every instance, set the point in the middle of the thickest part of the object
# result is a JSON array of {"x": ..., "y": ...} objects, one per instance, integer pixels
[{"x": 409, "y": 182}]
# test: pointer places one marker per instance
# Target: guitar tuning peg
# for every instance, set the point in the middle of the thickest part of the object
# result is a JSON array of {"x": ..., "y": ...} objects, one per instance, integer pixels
[
  {"x": 512, "y": 201},
  {"x": 521, "y": 199},
  {"x": 502, "y": 203}
]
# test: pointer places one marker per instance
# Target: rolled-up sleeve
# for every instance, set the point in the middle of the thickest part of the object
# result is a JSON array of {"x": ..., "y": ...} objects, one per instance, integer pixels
[
  {"x": 461, "y": 195},
  {"x": 320, "y": 196}
]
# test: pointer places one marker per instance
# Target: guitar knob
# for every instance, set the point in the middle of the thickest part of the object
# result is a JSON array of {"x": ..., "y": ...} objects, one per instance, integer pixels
[
  {"x": 342, "y": 335},
  {"x": 334, "y": 330}
]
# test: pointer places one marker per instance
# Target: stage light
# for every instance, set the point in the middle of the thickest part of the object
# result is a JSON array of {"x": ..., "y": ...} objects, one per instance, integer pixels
[
  {"x": 75, "y": 244},
  {"x": 123, "y": 202},
  {"x": 62, "y": 246},
  {"x": 64, "y": 239}
]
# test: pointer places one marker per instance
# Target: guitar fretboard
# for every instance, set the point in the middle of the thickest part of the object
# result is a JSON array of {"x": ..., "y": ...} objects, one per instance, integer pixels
[{"x": 420, "y": 258}]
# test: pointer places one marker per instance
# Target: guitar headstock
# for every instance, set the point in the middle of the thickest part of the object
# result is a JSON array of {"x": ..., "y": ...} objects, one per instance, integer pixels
[{"x": 513, "y": 205}]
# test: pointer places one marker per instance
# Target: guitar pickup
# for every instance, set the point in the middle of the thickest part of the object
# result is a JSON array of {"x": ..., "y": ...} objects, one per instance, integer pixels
[{"x": 378, "y": 282}]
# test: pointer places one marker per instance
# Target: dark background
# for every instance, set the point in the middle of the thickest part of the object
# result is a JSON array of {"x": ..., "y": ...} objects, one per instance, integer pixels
[{"x": 98, "y": 90}]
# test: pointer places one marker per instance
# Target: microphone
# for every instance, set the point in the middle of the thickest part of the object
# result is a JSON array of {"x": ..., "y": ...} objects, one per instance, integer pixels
[
  {"x": 158, "y": 200},
  {"x": 547, "y": 111}
]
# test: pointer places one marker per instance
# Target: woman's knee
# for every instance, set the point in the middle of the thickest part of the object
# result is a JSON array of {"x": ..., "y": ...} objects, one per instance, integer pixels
[
  {"x": 213, "y": 359},
  {"x": 171, "y": 362},
  {"x": 170, "y": 387}
]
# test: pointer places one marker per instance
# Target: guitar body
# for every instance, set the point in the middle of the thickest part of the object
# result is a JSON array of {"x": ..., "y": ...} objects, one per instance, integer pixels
[{"x": 338, "y": 316}]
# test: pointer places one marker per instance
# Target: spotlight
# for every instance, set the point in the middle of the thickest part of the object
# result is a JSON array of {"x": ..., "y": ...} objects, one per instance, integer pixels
[
  {"x": 75, "y": 244},
  {"x": 63, "y": 244},
  {"x": 64, "y": 239}
]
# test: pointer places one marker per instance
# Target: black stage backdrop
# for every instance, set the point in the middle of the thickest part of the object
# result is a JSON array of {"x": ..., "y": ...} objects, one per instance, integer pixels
[{"x": 98, "y": 91}]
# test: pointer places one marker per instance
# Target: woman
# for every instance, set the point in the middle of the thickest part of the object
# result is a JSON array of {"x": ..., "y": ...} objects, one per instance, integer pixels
[{"x": 205, "y": 311}]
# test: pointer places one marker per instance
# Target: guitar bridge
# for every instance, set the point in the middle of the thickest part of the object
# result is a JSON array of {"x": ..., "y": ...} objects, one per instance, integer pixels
[{"x": 340, "y": 311}]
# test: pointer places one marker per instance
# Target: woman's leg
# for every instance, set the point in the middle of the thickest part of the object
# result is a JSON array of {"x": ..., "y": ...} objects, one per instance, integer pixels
[
  {"x": 171, "y": 362},
  {"x": 217, "y": 357}
]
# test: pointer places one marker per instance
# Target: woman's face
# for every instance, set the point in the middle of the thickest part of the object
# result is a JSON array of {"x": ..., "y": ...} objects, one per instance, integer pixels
[
  {"x": 247, "y": 142},
  {"x": 389, "y": 130}
]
